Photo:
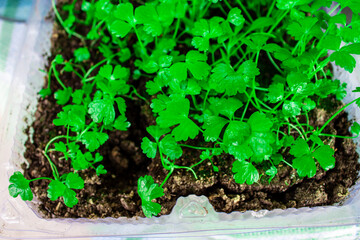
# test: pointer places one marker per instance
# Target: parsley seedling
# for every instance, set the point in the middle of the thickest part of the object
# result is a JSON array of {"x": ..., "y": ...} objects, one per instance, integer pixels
[{"x": 204, "y": 65}]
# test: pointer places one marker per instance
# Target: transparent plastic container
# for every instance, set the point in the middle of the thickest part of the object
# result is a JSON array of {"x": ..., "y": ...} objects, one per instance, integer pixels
[{"x": 192, "y": 216}]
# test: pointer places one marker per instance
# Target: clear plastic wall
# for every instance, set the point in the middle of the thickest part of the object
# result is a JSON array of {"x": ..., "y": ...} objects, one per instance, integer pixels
[{"x": 191, "y": 217}]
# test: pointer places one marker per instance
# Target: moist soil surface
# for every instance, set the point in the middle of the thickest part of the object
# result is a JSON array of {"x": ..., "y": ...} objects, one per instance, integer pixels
[{"x": 114, "y": 194}]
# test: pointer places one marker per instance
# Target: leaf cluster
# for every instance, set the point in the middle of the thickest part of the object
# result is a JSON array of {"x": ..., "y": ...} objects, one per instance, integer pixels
[{"x": 203, "y": 65}]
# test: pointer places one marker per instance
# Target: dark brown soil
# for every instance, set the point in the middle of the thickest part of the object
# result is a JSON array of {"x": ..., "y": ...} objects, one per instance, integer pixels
[{"x": 114, "y": 194}]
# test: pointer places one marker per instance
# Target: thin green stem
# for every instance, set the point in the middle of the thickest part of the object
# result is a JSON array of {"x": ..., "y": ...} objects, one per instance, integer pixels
[
  {"x": 287, "y": 163},
  {"x": 52, "y": 165},
  {"x": 319, "y": 68},
  {"x": 40, "y": 178},
  {"x": 137, "y": 94},
  {"x": 187, "y": 168},
  {"x": 244, "y": 9},
  {"x": 297, "y": 129},
  {"x": 337, "y": 136},
  {"x": 203, "y": 12},
  {"x": 61, "y": 21},
  {"x": 194, "y": 147},
  {"x": 228, "y": 4},
  {"x": 56, "y": 74},
  {"x": 278, "y": 21},
  {"x": 162, "y": 159},
  {"x": 274, "y": 63},
  {"x": 337, "y": 113},
  {"x": 167, "y": 177},
  {"x": 176, "y": 28},
  {"x": 97, "y": 65},
  {"x": 301, "y": 127},
  {"x": 205, "y": 99},
  {"x": 139, "y": 41},
  {"x": 281, "y": 102},
  {"x": 336, "y": 7},
  {"x": 271, "y": 8}
]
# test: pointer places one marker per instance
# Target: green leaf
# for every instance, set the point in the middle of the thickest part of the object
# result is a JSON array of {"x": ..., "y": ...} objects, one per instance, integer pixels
[
  {"x": 93, "y": 140},
  {"x": 120, "y": 28},
  {"x": 103, "y": 9},
  {"x": 20, "y": 186},
  {"x": 156, "y": 132},
  {"x": 351, "y": 49},
  {"x": 224, "y": 79},
  {"x": 291, "y": 108},
  {"x": 154, "y": 20},
  {"x": 121, "y": 105},
  {"x": 299, "y": 148},
  {"x": 100, "y": 170},
  {"x": 63, "y": 96},
  {"x": 261, "y": 22},
  {"x": 79, "y": 161},
  {"x": 68, "y": 67},
  {"x": 153, "y": 87},
  {"x": 236, "y": 133},
  {"x": 271, "y": 172},
  {"x": 45, "y": 92},
  {"x": 85, "y": 6},
  {"x": 276, "y": 92},
  {"x": 213, "y": 126},
  {"x": 325, "y": 87},
  {"x": 102, "y": 110},
  {"x": 225, "y": 106},
  {"x": 148, "y": 190},
  {"x": 125, "y": 12},
  {"x": 109, "y": 72},
  {"x": 121, "y": 123},
  {"x": 177, "y": 112},
  {"x": 344, "y": 60},
  {"x": 73, "y": 180},
  {"x": 69, "y": 196},
  {"x": 58, "y": 59},
  {"x": 235, "y": 17},
  {"x": 179, "y": 71},
  {"x": 206, "y": 29},
  {"x": 305, "y": 166},
  {"x": 301, "y": 28},
  {"x": 77, "y": 96},
  {"x": 196, "y": 63},
  {"x": 316, "y": 139},
  {"x": 289, "y": 4},
  {"x": 308, "y": 105},
  {"x": 355, "y": 129},
  {"x": 304, "y": 162},
  {"x": 81, "y": 54},
  {"x": 324, "y": 155},
  {"x": 60, "y": 146},
  {"x": 55, "y": 190},
  {"x": 249, "y": 69},
  {"x": 261, "y": 138},
  {"x": 200, "y": 43},
  {"x": 241, "y": 152},
  {"x": 244, "y": 172},
  {"x": 159, "y": 104},
  {"x": 354, "y": 5},
  {"x": 261, "y": 145},
  {"x": 259, "y": 122},
  {"x": 170, "y": 148},
  {"x": 331, "y": 42},
  {"x": 73, "y": 116},
  {"x": 149, "y": 148}
]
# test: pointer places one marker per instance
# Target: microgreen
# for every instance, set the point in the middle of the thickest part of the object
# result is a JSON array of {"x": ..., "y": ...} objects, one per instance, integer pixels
[{"x": 202, "y": 67}]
